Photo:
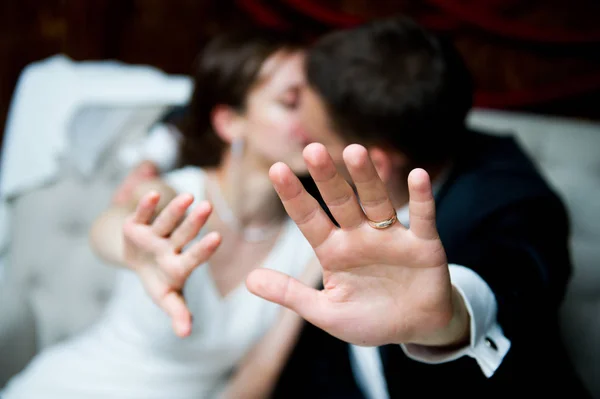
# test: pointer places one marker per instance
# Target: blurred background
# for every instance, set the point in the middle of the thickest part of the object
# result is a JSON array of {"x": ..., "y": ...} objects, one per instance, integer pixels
[{"x": 540, "y": 55}]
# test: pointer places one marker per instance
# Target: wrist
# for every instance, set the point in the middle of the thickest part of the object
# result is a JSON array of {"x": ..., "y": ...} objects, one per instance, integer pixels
[{"x": 458, "y": 330}]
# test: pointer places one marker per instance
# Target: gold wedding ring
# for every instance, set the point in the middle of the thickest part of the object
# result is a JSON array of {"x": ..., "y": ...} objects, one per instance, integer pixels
[{"x": 384, "y": 224}]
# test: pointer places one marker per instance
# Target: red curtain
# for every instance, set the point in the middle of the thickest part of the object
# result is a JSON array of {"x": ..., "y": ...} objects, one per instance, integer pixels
[{"x": 523, "y": 53}]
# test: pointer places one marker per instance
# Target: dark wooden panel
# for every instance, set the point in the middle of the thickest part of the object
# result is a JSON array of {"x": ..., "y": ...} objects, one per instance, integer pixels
[
  {"x": 163, "y": 33},
  {"x": 168, "y": 34}
]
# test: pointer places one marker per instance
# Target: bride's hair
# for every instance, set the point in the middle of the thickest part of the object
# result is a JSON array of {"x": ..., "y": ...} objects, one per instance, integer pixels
[{"x": 226, "y": 70}]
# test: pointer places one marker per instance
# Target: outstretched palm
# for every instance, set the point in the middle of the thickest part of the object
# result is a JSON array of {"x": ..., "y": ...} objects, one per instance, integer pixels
[
  {"x": 154, "y": 249},
  {"x": 380, "y": 286}
]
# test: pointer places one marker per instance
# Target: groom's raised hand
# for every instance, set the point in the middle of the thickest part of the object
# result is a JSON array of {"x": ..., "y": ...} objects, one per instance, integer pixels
[{"x": 383, "y": 283}]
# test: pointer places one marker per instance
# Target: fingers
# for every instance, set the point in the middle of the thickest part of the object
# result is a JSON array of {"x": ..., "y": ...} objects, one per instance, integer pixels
[
  {"x": 170, "y": 217},
  {"x": 174, "y": 305},
  {"x": 191, "y": 226},
  {"x": 304, "y": 210},
  {"x": 145, "y": 208},
  {"x": 288, "y": 292},
  {"x": 198, "y": 253},
  {"x": 421, "y": 205},
  {"x": 372, "y": 192},
  {"x": 336, "y": 192},
  {"x": 169, "y": 300}
]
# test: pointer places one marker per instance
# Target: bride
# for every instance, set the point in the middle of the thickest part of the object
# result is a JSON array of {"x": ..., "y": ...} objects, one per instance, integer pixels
[{"x": 187, "y": 241}]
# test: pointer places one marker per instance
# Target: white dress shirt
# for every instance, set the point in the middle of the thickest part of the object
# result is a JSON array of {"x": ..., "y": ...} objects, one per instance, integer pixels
[{"x": 487, "y": 345}]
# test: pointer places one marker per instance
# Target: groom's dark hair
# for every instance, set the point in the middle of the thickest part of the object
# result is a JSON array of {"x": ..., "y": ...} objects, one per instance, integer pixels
[{"x": 392, "y": 83}]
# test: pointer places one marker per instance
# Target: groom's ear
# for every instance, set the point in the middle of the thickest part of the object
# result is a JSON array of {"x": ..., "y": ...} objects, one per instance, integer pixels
[{"x": 387, "y": 163}]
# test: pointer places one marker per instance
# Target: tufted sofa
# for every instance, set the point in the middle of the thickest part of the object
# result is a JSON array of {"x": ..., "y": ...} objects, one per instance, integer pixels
[{"x": 54, "y": 286}]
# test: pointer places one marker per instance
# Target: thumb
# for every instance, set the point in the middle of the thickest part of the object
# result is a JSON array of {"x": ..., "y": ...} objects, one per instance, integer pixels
[{"x": 288, "y": 292}]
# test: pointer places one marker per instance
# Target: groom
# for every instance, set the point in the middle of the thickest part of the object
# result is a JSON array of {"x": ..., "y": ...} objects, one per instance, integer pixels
[{"x": 444, "y": 280}]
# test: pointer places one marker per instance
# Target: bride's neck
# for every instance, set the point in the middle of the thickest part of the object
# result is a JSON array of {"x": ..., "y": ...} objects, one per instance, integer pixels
[{"x": 247, "y": 191}]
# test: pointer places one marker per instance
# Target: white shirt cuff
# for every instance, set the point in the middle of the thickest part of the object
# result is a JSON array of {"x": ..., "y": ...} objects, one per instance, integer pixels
[{"x": 488, "y": 345}]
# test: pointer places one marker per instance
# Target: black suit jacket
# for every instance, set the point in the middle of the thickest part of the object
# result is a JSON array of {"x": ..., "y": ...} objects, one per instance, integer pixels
[{"x": 497, "y": 216}]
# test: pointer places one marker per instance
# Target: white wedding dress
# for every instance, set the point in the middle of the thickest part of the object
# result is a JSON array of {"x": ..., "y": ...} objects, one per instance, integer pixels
[{"x": 132, "y": 352}]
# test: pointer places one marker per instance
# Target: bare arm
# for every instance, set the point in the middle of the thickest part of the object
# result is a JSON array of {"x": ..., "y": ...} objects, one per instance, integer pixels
[
  {"x": 106, "y": 236},
  {"x": 259, "y": 371}
]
